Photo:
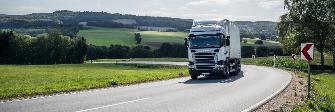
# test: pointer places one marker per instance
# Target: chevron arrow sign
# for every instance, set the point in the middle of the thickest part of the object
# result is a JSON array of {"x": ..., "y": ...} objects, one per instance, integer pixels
[{"x": 307, "y": 51}]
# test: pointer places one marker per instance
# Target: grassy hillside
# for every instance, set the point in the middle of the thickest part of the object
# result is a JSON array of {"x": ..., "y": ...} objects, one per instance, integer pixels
[
  {"x": 124, "y": 36},
  {"x": 108, "y": 36}
]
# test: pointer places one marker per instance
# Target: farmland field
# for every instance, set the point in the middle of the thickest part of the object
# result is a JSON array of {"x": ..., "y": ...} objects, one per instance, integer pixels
[
  {"x": 29, "y": 80},
  {"x": 124, "y": 36}
]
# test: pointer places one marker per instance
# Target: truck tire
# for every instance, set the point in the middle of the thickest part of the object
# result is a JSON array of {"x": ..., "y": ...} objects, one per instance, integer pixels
[
  {"x": 226, "y": 72},
  {"x": 237, "y": 67},
  {"x": 194, "y": 77}
]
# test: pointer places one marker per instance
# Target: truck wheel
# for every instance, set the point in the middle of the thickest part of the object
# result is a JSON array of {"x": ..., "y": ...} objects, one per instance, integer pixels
[
  {"x": 237, "y": 68},
  {"x": 226, "y": 72},
  {"x": 194, "y": 77}
]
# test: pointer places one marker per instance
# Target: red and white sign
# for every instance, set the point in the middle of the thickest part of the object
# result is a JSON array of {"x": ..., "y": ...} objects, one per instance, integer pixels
[{"x": 307, "y": 51}]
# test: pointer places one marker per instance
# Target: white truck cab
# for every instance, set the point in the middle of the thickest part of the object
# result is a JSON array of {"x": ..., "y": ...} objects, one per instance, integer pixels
[{"x": 214, "y": 48}]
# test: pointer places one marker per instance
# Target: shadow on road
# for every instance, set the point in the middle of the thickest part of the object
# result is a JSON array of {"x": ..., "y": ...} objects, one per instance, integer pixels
[{"x": 207, "y": 79}]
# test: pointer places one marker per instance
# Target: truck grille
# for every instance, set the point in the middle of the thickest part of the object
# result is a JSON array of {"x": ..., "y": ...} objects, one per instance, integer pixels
[{"x": 204, "y": 61}]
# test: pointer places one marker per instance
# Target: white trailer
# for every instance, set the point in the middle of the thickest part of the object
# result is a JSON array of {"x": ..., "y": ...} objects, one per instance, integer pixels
[{"x": 214, "y": 48}]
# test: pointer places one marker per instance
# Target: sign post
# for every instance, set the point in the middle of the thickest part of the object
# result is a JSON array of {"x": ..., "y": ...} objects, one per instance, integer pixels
[{"x": 307, "y": 51}]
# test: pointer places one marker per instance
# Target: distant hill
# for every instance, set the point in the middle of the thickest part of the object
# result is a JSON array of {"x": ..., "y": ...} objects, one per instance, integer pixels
[
  {"x": 258, "y": 29},
  {"x": 102, "y": 19},
  {"x": 116, "y": 20}
]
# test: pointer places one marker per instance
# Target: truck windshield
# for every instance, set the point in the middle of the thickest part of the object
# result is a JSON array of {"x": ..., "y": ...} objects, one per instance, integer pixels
[{"x": 205, "y": 42}]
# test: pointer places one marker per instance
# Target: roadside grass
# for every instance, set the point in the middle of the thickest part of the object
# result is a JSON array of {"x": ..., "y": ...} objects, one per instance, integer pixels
[
  {"x": 31, "y": 80},
  {"x": 323, "y": 98},
  {"x": 143, "y": 59},
  {"x": 124, "y": 36},
  {"x": 284, "y": 62}
]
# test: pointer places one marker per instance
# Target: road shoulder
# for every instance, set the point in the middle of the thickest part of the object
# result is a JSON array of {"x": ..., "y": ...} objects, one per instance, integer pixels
[{"x": 293, "y": 94}]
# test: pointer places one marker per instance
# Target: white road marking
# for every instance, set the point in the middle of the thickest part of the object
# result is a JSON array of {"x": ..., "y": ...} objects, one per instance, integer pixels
[{"x": 112, "y": 105}]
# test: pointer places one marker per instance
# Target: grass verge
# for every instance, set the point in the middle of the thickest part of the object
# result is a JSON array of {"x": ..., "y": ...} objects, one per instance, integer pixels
[
  {"x": 30, "y": 80},
  {"x": 144, "y": 59}
]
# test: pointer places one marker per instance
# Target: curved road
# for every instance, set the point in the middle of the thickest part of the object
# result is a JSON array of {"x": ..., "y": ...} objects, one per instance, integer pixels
[{"x": 243, "y": 92}]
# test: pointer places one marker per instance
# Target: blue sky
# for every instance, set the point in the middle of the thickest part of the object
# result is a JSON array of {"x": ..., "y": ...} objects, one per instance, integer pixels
[{"x": 237, "y": 10}]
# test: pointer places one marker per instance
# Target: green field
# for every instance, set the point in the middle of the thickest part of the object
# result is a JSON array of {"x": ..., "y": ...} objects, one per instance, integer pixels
[
  {"x": 29, "y": 80},
  {"x": 123, "y": 36}
]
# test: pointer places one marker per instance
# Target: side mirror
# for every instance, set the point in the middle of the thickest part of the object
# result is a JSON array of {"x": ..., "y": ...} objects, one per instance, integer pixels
[
  {"x": 185, "y": 42},
  {"x": 191, "y": 35},
  {"x": 222, "y": 43},
  {"x": 228, "y": 41}
]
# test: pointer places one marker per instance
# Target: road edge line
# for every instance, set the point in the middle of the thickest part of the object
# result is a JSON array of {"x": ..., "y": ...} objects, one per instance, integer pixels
[
  {"x": 116, "y": 104},
  {"x": 267, "y": 99}
]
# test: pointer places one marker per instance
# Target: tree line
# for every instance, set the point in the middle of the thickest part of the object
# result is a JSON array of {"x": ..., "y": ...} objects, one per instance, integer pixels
[
  {"x": 140, "y": 51},
  {"x": 51, "y": 48},
  {"x": 54, "y": 48},
  {"x": 261, "y": 51},
  {"x": 167, "y": 50}
]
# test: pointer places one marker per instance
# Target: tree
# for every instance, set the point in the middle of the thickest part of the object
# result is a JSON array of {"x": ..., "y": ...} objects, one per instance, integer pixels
[
  {"x": 259, "y": 42},
  {"x": 4, "y": 46},
  {"x": 141, "y": 52},
  {"x": 179, "y": 50},
  {"x": 247, "y": 51},
  {"x": 309, "y": 21},
  {"x": 118, "y": 51},
  {"x": 290, "y": 44},
  {"x": 262, "y": 51},
  {"x": 262, "y": 37},
  {"x": 138, "y": 38}
]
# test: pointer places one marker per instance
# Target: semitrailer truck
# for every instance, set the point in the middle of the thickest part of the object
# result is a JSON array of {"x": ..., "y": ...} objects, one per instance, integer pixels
[{"x": 214, "y": 48}]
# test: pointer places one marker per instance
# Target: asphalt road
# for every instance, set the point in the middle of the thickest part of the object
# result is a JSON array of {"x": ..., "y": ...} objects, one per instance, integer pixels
[{"x": 243, "y": 92}]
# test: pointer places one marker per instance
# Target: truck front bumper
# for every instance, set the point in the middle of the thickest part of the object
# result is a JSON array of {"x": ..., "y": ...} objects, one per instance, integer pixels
[{"x": 219, "y": 69}]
